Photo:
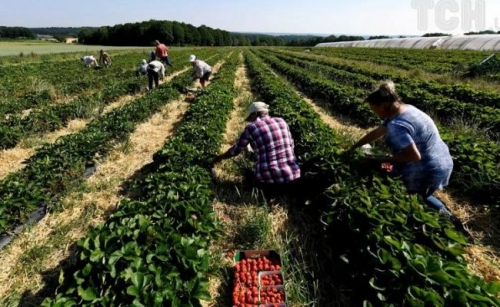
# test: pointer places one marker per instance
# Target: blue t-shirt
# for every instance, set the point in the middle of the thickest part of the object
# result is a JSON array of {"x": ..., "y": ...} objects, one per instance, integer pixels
[{"x": 434, "y": 169}]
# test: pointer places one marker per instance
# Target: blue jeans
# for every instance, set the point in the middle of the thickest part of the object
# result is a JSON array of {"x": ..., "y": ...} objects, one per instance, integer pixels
[
  {"x": 166, "y": 60},
  {"x": 432, "y": 200}
]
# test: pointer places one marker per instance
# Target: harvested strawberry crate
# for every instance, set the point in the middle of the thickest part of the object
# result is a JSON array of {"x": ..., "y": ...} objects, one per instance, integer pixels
[
  {"x": 272, "y": 295},
  {"x": 270, "y": 278},
  {"x": 256, "y": 271}
]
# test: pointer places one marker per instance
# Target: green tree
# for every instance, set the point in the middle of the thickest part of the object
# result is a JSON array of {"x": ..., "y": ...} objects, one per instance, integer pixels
[
  {"x": 60, "y": 38},
  {"x": 206, "y": 36},
  {"x": 193, "y": 37},
  {"x": 179, "y": 34},
  {"x": 83, "y": 35}
]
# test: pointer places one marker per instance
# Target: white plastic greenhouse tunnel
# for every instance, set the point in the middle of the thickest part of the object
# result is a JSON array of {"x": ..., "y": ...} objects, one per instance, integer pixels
[{"x": 460, "y": 42}]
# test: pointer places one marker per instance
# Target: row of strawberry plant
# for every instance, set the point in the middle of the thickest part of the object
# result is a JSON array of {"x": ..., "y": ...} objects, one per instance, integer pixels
[
  {"x": 446, "y": 109},
  {"x": 55, "y": 116},
  {"x": 154, "y": 251},
  {"x": 476, "y": 171},
  {"x": 40, "y": 87},
  {"x": 56, "y": 168},
  {"x": 392, "y": 251},
  {"x": 344, "y": 99},
  {"x": 436, "y": 61},
  {"x": 459, "y": 91}
]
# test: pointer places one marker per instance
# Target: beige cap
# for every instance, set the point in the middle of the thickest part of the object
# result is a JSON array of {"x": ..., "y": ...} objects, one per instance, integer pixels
[{"x": 257, "y": 106}]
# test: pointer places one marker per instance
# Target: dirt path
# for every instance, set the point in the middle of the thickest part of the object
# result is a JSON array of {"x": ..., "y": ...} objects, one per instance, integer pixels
[
  {"x": 228, "y": 194},
  {"x": 252, "y": 223},
  {"x": 11, "y": 159},
  {"x": 26, "y": 261}
]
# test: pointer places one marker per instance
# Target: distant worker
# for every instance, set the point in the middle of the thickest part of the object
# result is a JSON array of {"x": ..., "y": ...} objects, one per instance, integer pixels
[
  {"x": 162, "y": 52},
  {"x": 156, "y": 70},
  {"x": 152, "y": 56},
  {"x": 143, "y": 68},
  {"x": 104, "y": 58},
  {"x": 276, "y": 170},
  {"x": 89, "y": 61},
  {"x": 201, "y": 70}
]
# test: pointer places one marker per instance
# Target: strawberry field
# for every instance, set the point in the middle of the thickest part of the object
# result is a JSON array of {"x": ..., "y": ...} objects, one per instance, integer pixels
[{"x": 132, "y": 213}]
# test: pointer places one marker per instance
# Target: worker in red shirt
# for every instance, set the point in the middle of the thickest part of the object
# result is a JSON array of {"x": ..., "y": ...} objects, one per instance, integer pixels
[{"x": 162, "y": 52}]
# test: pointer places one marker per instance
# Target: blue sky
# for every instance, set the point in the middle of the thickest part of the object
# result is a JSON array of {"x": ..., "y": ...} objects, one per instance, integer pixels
[{"x": 362, "y": 17}]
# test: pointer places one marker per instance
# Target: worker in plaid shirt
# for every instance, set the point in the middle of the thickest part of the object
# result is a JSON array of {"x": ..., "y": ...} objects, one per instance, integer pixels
[{"x": 272, "y": 144}]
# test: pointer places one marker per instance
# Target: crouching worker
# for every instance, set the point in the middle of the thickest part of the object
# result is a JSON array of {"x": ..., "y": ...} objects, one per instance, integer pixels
[
  {"x": 156, "y": 71},
  {"x": 89, "y": 61},
  {"x": 201, "y": 70},
  {"x": 104, "y": 58},
  {"x": 143, "y": 68},
  {"x": 276, "y": 170},
  {"x": 419, "y": 154}
]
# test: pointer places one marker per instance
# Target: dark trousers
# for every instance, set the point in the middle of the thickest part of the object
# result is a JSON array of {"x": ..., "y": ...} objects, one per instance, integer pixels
[
  {"x": 166, "y": 60},
  {"x": 291, "y": 189},
  {"x": 205, "y": 78},
  {"x": 270, "y": 190},
  {"x": 153, "y": 75}
]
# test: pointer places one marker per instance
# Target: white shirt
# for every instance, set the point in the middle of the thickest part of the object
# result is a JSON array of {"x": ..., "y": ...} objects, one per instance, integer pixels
[
  {"x": 88, "y": 59},
  {"x": 201, "y": 68},
  {"x": 158, "y": 67},
  {"x": 144, "y": 68}
]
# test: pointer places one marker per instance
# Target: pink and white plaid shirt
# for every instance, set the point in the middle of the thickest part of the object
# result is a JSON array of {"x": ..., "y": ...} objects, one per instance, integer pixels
[{"x": 272, "y": 143}]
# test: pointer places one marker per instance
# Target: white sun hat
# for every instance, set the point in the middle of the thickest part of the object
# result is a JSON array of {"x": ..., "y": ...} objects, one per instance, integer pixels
[
  {"x": 257, "y": 106},
  {"x": 192, "y": 57}
]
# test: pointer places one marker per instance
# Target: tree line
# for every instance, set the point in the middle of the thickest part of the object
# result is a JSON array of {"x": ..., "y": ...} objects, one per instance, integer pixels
[
  {"x": 63, "y": 31},
  {"x": 180, "y": 34},
  {"x": 16, "y": 33},
  {"x": 313, "y": 41},
  {"x": 172, "y": 33}
]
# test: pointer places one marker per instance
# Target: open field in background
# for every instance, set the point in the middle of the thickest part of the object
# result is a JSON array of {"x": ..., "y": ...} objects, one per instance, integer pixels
[
  {"x": 36, "y": 51},
  {"x": 154, "y": 199},
  {"x": 15, "y": 48}
]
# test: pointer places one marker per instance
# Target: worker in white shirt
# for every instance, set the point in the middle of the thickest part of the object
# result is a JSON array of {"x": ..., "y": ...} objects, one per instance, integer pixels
[
  {"x": 156, "y": 71},
  {"x": 201, "y": 70},
  {"x": 143, "y": 68},
  {"x": 89, "y": 60}
]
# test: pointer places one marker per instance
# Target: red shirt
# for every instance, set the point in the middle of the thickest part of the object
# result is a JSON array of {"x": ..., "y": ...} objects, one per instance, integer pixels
[{"x": 161, "y": 50}]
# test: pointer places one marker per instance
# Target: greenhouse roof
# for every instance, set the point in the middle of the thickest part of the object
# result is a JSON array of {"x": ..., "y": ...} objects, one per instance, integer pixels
[{"x": 461, "y": 42}]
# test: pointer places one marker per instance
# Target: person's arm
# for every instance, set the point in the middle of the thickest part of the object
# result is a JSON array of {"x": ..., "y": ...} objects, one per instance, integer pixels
[
  {"x": 403, "y": 143},
  {"x": 223, "y": 156},
  {"x": 162, "y": 71},
  {"x": 371, "y": 136},
  {"x": 407, "y": 154},
  {"x": 194, "y": 75},
  {"x": 236, "y": 149},
  {"x": 290, "y": 136}
]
